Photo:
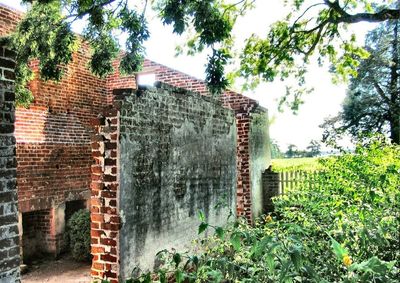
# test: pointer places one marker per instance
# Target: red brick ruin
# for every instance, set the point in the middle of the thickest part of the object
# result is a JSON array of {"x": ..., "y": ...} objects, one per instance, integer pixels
[{"x": 63, "y": 164}]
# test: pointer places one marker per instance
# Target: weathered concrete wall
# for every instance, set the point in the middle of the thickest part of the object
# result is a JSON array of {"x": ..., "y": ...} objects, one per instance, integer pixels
[
  {"x": 243, "y": 107},
  {"x": 177, "y": 157},
  {"x": 260, "y": 156},
  {"x": 9, "y": 235}
]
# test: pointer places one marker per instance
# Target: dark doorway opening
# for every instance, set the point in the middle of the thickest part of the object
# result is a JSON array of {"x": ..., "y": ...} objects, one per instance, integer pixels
[
  {"x": 36, "y": 240},
  {"x": 73, "y": 206}
]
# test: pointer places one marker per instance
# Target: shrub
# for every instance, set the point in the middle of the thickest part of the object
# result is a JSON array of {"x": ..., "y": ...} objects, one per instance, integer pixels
[
  {"x": 354, "y": 202},
  {"x": 78, "y": 231}
]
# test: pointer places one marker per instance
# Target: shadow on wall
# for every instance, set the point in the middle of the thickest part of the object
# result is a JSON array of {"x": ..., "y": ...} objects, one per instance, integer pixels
[
  {"x": 54, "y": 159},
  {"x": 260, "y": 157},
  {"x": 177, "y": 156}
]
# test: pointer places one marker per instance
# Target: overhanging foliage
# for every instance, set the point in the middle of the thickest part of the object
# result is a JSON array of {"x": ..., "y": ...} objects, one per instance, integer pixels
[{"x": 45, "y": 34}]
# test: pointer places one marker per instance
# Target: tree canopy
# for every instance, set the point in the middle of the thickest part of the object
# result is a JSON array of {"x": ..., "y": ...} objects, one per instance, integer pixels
[
  {"x": 310, "y": 29},
  {"x": 311, "y": 32},
  {"x": 372, "y": 101}
]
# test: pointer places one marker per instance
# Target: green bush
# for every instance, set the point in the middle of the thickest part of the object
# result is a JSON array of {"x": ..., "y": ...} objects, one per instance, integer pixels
[
  {"x": 355, "y": 202},
  {"x": 343, "y": 229},
  {"x": 78, "y": 231}
]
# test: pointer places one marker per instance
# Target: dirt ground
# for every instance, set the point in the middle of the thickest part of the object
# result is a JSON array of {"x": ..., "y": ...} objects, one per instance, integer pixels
[{"x": 62, "y": 270}]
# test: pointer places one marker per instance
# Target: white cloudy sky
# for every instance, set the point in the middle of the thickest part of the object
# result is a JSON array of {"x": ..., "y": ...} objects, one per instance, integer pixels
[{"x": 287, "y": 128}]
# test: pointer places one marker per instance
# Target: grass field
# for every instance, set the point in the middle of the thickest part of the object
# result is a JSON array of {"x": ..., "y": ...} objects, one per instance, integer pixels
[{"x": 291, "y": 164}]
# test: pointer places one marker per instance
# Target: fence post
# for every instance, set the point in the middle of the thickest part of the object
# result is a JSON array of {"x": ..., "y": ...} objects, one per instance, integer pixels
[{"x": 271, "y": 188}]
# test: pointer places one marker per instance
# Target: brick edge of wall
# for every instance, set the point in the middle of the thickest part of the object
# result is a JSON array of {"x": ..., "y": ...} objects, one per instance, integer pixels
[
  {"x": 243, "y": 121},
  {"x": 105, "y": 219},
  {"x": 9, "y": 236}
]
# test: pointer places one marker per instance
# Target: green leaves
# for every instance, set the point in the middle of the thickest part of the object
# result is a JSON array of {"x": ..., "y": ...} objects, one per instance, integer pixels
[
  {"x": 105, "y": 49},
  {"x": 202, "y": 227},
  {"x": 174, "y": 12},
  {"x": 215, "y": 276},
  {"x": 177, "y": 259},
  {"x": 136, "y": 27},
  {"x": 42, "y": 35},
  {"x": 45, "y": 34},
  {"x": 296, "y": 257},
  {"x": 212, "y": 22},
  {"x": 371, "y": 103},
  {"x": 235, "y": 240},
  {"x": 78, "y": 233},
  {"x": 220, "y": 232},
  {"x": 373, "y": 266},
  {"x": 201, "y": 216},
  {"x": 283, "y": 53},
  {"x": 215, "y": 78},
  {"x": 339, "y": 251},
  {"x": 179, "y": 276},
  {"x": 316, "y": 29}
]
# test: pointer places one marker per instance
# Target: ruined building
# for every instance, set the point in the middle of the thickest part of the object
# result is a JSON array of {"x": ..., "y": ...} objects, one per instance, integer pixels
[{"x": 144, "y": 160}]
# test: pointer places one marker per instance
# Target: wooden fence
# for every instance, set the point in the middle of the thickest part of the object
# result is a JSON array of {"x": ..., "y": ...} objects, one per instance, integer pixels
[
  {"x": 293, "y": 179},
  {"x": 278, "y": 183}
]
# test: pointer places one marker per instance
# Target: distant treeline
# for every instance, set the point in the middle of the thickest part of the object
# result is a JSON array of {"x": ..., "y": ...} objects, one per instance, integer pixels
[{"x": 312, "y": 150}]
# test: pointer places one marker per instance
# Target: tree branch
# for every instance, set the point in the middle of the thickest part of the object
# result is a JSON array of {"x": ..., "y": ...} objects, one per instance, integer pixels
[
  {"x": 316, "y": 40},
  {"x": 83, "y": 13},
  {"x": 309, "y": 8},
  {"x": 380, "y": 91},
  {"x": 394, "y": 75},
  {"x": 238, "y": 3},
  {"x": 382, "y": 15}
]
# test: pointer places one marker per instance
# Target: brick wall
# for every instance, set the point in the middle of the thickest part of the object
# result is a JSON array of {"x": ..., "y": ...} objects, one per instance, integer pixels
[
  {"x": 53, "y": 137},
  {"x": 165, "y": 155},
  {"x": 173, "y": 77},
  {"x": 53, "y": 134},
  {"x": 177, "y": 157},
  {"x": 9, "y": 234},
  {"x": 9, "y": 18},
  {"x": 242, "y": 106},
  {"x": 118, "y": 81},
  {"x": 105, "y": 221},
  {"x": 53, "y": 141}
]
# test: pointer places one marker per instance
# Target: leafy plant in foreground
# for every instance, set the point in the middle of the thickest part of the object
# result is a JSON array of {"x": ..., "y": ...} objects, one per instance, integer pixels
[{"x": 344, "y": 229}]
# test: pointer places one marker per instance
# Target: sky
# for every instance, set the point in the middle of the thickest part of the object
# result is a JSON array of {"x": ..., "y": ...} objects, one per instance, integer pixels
[{"x": 286, "y": 128}]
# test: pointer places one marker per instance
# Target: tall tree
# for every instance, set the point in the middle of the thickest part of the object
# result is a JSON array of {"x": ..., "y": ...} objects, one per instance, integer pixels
[
  {"x": 292, "y": 151},
  {"x": 372, "y": 102},
  {"x": 45, "y": 34},
  {"x": 313, "y": 149}
]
